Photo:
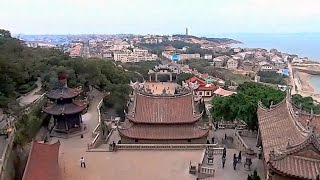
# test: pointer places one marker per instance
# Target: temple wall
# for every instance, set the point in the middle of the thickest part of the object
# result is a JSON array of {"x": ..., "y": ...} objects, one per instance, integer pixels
[{"x": 125, "y": 140}]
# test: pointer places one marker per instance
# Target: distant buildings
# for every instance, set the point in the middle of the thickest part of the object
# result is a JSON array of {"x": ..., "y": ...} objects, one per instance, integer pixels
[
  {"x": 136, "y": 55},
  {"x": 232, "y": 64}
]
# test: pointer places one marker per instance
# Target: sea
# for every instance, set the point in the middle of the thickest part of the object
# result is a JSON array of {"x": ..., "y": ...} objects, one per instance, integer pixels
[{"x": 301, "y": 44}]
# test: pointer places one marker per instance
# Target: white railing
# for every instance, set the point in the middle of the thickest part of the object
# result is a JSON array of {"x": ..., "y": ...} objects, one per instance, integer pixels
[
  {"x": 6, "y": 152},
  {"x": 96, "y": 132},
  {"x": 206, "y": 170},
  {"x": 216, "y": 150},
  {"x": 239, "y": 141}
]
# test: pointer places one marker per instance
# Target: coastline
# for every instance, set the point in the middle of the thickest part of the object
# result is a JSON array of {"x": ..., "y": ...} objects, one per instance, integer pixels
[{"x": 304, "y": 79}]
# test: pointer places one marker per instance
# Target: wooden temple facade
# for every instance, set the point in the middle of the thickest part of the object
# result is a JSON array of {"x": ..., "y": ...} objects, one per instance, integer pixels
[
  {"x": 163, "y": 119},
  {"x": 290, "y": 142}
]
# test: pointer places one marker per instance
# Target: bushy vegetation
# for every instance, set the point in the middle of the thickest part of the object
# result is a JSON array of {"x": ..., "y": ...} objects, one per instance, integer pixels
[
  {"x": 271, "y": 77},
  {"x": 243, "y": 105},
  {"x": 306, "y": 104}
]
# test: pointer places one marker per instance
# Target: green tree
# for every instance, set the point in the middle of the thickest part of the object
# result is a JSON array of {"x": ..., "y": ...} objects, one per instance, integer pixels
[{"x": 243, "y": 105}]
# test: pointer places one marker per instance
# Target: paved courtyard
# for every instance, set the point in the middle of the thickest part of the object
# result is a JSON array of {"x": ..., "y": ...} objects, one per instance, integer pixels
[
  {"x": 158, "y": 87},
  {"x": 135, "y": 165}
]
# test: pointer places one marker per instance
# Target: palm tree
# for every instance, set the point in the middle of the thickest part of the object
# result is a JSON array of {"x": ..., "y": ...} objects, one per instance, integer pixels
[{"x": 254, "y": 176}]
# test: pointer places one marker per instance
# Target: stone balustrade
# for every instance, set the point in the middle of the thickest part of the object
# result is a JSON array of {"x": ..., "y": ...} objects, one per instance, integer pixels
[
  {"x": 216, "y": 150},
  {"x": 239, "y": 141}
]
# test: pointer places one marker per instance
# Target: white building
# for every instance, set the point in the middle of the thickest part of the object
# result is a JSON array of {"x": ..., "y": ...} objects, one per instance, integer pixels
[
  {"x": 232, "y": 63},
  {"x": 208, "y": 56}
]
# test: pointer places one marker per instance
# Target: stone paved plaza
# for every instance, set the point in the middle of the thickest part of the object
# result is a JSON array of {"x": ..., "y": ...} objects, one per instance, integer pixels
[
  {"x": 137, "y": 165},
  {"x": 158, "y": 87}
]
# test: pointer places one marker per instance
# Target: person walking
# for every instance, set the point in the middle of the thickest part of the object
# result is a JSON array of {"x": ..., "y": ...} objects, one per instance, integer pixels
[
  {"x": 239, "y": 157},
  {"x": 235, "y": 159},
  {"x": 223, "y": 161},
  {"x": 82, "y": 162}
]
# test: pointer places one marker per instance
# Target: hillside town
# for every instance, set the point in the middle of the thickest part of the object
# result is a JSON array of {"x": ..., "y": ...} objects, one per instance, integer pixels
[{"x": 94, "y": 108}]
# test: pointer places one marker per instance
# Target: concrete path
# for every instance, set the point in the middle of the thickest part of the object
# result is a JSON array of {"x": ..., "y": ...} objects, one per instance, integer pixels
[
  {"x": 72, "y": 149},
  {"x": 31, "y": 96}
]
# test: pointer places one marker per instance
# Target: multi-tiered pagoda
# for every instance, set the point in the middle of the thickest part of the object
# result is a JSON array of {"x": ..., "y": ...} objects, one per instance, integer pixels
[
  {"x": 165, "y": 118},
  {"x": 64, "y": 108}
]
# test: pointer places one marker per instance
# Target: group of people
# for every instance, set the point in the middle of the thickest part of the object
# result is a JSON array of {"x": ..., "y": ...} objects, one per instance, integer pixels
[{"x": 236, "y": 159}]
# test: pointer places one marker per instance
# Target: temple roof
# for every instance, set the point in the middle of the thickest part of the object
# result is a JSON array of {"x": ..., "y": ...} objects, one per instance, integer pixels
[
  {"x": 42, "y": 163},
  {"x": 300, "y": 161},
  {"x": 278, "y": 129},
  {"x": 289, "y": 148},
  {"x": 163, "y": 132},
  {"x": 65, "y": 109},
  {"x": 195, "y": 79},
  {"x": 153, "y": 109},
  {"x": 63, "y": 93}
]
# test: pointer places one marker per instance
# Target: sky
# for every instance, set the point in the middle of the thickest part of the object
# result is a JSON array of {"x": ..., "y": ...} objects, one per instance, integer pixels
[{"x": 202, "y": 17}]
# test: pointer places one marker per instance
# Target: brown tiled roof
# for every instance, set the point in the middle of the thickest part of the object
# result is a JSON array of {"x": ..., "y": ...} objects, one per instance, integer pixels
[
  {"x": 163, "y": 132},
  {"x": 163, "y": 109},
  {"x": 67, "y": 109},
  {"x": 277, "y": 128},
  {"x": 300, "y": 161},
  {"x": 297, "y": 166},
  {"x": 42, "y": 163},
  {"x": 63, "y": 93}
]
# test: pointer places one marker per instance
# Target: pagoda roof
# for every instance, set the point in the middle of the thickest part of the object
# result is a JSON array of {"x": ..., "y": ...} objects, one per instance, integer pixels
[
  {"x": 42, "y": 163},
  {"x": 163, "y": 132},
  {"x": 65, "y": 109},
  {"x": 161, "y": 109},
  {"x": 64, "y": 93}
]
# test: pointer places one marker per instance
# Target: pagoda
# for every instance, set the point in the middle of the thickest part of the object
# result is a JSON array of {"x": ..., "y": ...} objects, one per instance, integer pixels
[
  {"x": 64, "y": 108},
  {"x": 163, "y": 119}
]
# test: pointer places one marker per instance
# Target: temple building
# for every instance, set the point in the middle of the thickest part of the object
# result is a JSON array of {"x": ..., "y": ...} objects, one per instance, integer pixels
[
  {"x": 163, "y": 119},
  {"x": 163, "y": 71},
  {"x": 290, "y": 142},
  {"x": 65, "y": 110},
  {"x": 202, "y": 88}
]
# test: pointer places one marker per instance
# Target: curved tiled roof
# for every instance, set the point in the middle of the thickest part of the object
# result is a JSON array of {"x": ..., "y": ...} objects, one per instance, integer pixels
[
  {"x": 152, "y": 109},
  {"x": 63, "y": 93},
  {"x": 42, "y": 163},
  {"x": 300, "y": 161},
  {"x": 65, "y": 109},
  {"x": 297, "y": 166},
  {"x": 278, "y": 129},
  {"x": 163, "y": 132}
]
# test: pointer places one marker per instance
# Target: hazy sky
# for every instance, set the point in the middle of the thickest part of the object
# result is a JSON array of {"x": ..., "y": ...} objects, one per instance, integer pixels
[{"x": 202, "y": 17}]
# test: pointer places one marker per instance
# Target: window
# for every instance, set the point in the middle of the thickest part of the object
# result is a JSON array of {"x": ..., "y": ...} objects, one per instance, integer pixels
[
  {"x": 200, "y": 93},
  {"x": 136, "y": 140},
  {"x": 208, "y": 93},
  {"x": 189, "y": 140}
]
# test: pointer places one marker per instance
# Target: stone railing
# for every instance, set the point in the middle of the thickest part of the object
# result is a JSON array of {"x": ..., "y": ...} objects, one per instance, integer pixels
[
  {"x": 216, "y": 150},
  {"x": 96, "y": 131},
  {"x": 206, "y": 170},
  {"x": 6, "y": 153},
  {"x": 239, "y": 141},
  {"x": 247, "y": 133}
]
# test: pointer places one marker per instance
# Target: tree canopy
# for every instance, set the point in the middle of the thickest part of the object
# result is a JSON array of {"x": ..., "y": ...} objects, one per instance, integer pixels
[
  {"x": 20, "y": 66},
  {"x": 243, "y": 105},
  {"x": 307, "y": 104}
]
